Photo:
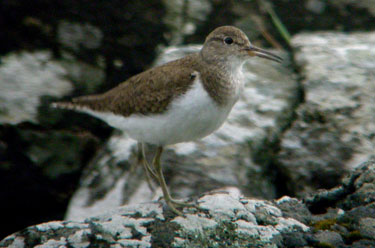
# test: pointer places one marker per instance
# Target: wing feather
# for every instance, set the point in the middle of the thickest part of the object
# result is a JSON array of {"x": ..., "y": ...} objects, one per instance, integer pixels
[{"x": 149, "y": 92}]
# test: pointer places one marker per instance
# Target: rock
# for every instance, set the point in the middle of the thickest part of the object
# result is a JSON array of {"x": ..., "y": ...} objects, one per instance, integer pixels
[
  {"x": 332, "y": 238},
  {"x": 235, "y": 222},
  {"x": 362, "y": 185},
  {"x": 35, "y": 158},
  {"x": 350, "y": 213},
  {"x": 368, "y": 5},
  {"x": 334, "y": 127},
  {"x": 294, "y": 208},
  {"x": 227, "y": 157},
  {"x": 367, "y": 227},
  {"x": 363, "y": 243},
  {"x": 224, "y": 219},
  {"x": 87, "y": 78},
  {"x": 61, "y": 50},
  {"x": 182, "y": 18},
  {"x": 25, "y": 78},
  {"x": 39, "y": 168},
  {"x": 78, "y": 36},
  {"x": 112, "y": 40},
  {"x": 313, "y": 15}
]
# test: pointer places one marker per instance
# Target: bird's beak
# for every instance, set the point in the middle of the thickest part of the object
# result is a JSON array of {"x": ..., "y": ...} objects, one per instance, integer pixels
[{"x": 255, "y": 51}]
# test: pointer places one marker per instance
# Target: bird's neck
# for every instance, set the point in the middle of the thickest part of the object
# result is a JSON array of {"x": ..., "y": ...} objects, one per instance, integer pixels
[{"x": 223, "y": 80}]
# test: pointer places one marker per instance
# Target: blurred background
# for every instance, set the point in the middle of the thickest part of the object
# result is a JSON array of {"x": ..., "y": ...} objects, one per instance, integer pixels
[{"x": 54, "y": 50}]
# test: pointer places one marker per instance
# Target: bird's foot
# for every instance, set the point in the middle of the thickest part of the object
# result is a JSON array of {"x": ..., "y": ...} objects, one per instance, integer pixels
[
  {"x": 174, "y": 209},
  {"x": 173, "y": 204}
]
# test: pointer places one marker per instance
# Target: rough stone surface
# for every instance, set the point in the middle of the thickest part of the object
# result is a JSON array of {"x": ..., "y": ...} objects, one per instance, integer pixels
[
  {"x": 367, "y": 227},
  {"x": 235, "y": 222},
  {"x": 334, "y": 128},
  {"x": 182, "y": 18},
  {"x": 328, "y": 237},
  {"x": 19, "y": 101},
  {"x": 363, "y": 4},
  {"x": 294, "y": 208},
  {"x": 224, "y": 219},
  {"x": 313, "y": 15},
  {"x": 78, "y": 36},
  {"x": 346, "y": 210}
]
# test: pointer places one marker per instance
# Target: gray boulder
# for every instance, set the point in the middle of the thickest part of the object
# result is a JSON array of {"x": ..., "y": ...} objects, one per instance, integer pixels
[
  {"x": 25, "y": 78},
  {"x": 335, "y": 124},
  {"x": 225, "y": 220}
]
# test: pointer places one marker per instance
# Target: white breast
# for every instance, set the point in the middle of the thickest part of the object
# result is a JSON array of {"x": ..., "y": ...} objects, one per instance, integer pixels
[{"x": 191, "y": 116}]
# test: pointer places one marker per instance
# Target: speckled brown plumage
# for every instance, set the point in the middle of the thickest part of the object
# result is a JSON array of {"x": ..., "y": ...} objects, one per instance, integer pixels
[{"x": 149, "y": 92}]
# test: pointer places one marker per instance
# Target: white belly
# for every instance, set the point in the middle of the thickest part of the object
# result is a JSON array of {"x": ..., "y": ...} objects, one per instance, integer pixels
[{"x": 192, "y": 116}]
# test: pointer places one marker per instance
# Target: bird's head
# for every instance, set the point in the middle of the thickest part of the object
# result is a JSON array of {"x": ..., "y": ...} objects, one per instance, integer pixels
[{"x": 228, "y": 44}]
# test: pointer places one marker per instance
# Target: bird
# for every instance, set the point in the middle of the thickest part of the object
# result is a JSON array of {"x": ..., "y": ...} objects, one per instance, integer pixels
[{"x": 181, "y": 101}]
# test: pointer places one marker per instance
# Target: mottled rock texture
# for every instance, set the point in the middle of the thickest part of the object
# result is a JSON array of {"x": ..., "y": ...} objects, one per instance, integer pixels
[
  {"x": 334, "y": 128},
  {"x": 51, "y": 49},
  {"x": 225, "y": 219}
]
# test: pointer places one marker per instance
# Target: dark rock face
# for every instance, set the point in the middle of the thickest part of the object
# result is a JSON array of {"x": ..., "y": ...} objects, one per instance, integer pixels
[
  {"x": 334, "y": 126},
  {"x": 350, "y": 219},
  {"x": 326, "y": 15},
  {"x": 40, "y": 169},
  {"x": 50, "y": 49},
  {"x": 90, "y": 31}
]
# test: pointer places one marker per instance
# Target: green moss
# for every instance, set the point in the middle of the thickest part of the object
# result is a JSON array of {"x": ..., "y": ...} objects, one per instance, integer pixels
[
  {"x": 325, "y": 224},
  {"x": 58, "y": 153},
  {"x": 162, "y": 233}
]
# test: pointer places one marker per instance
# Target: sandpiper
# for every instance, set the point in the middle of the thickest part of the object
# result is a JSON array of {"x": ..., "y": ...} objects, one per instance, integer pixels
[{"x": 180, "y": 101}]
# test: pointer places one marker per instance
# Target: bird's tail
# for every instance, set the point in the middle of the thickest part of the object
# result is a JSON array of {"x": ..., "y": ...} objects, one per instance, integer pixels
[
  {"x": 63, "y": 105},
  {"x": 80, "y": 103}
]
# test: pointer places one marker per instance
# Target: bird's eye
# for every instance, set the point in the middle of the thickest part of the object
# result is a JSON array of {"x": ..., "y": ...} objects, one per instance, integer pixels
[{"x": 228, "y": 40}]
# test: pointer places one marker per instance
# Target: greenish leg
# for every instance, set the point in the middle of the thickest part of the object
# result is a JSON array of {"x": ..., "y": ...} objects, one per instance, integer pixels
[
  {"x": 172, "y": 203},
  {"x": 159, "y": 172},
  {"x": 150, "y": 174}
]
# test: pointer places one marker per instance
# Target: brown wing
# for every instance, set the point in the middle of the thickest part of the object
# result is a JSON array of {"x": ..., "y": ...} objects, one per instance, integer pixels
[{"x": 149, "y": 92}]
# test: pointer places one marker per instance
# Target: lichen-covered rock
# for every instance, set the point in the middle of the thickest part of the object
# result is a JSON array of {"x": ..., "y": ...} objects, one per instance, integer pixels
[
  {"x": 224, "y": 220},
  {"x": 328, "y": 237},
  {"x": 25, "y": 78},
  {"x": 38, "y": 163},
  {"x": 294, "y": 208},
  {"x": 335, "y": 125},
  {"x": 366, "y": 227},
  {"x": 351, "y": 210}
]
